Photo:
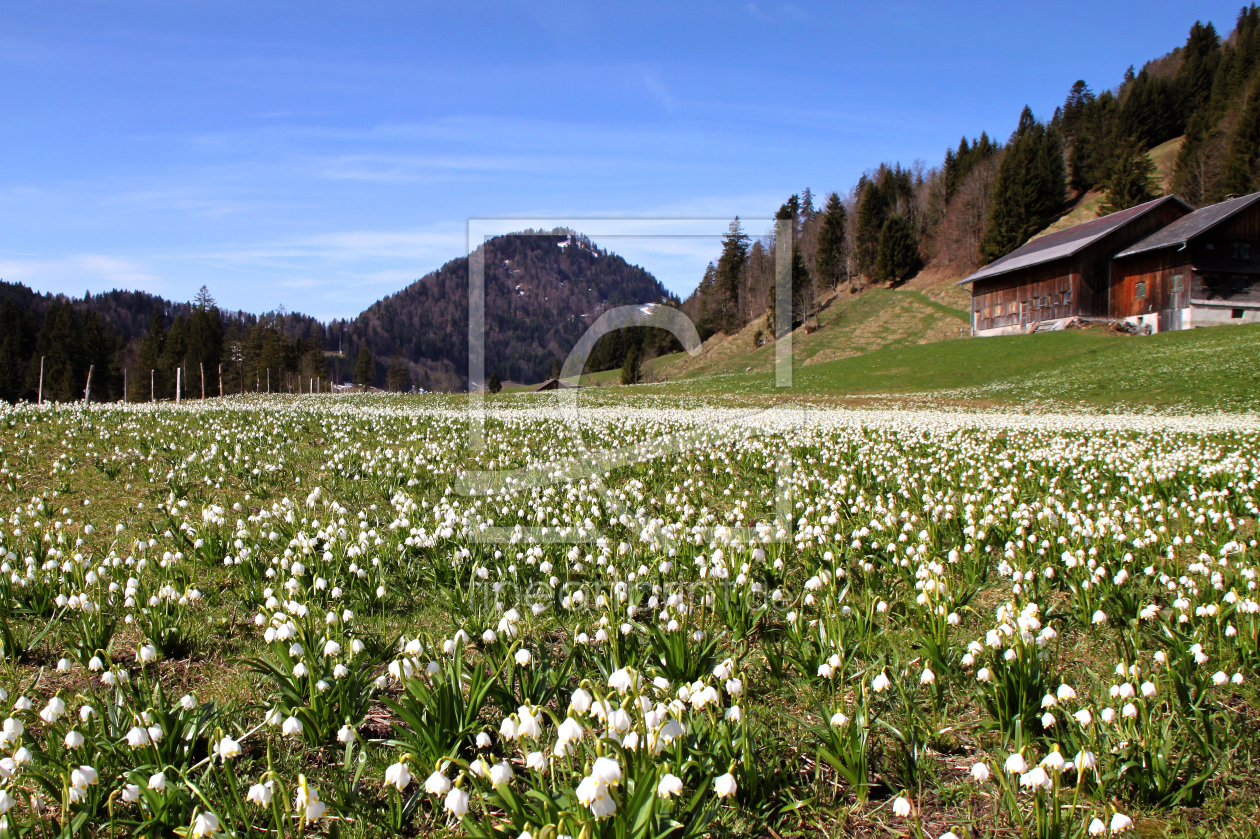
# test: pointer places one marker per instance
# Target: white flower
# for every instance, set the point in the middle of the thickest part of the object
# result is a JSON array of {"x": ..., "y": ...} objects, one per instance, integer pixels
[
  {"x": 980, "y": 771},
  {"x": 1219, "y": 678},
  {"x": 839, "y": 719},
  {"x": 130, "y": 794},
  {"x": 1015, "y": 764},
  {"x": 500, "y": 774},
  {"x": 345, "y": 734},
  {"x": 606, "y": 771},
  {"x": 580, "y": 701},
  {"x": 881, "y": 682},
  {"x": 228, "y": 748},
  {"x": 725, "y": 785},
  {"x": 331, "y": 648},
  {"x": 188, "y": 702},
  {"x": 1120, "y": 823},
  {"x": 901, "y": 806},
  {"x": 456, "y": 802},
  {"x": 260, "y": 794},
  {"x": 157, "y": 781},
  {"x": 398, "y": 776},
  {"x": 1100, "y": 617},
  {"x": 523, "y": 657},
  {"x": 138, "y": 737},
  {"x": 927, "y": 678},
  {"x": 292, "y": 726},
  {"x": 54, "y": 710},
  {"x": 206, "y": 824},
  {"x": 1097, "y": 828},
  {"x": 669, "y": 786},
  {"x": 483, "y": 740},
  {"x": 1034, "y": 778},
  {"x": 73, "y": 739},
  {"x": 147, "y": 653},
  {"x": 83, "y": 777},
  {"x": 437, "y": 784},
  {"x": 536, "y": 761}
]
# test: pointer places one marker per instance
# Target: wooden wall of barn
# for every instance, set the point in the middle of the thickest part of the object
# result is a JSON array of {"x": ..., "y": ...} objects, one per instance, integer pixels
[
  {"x": 996, "y": 302},
  {"x": 1097, "y": 264},
  {"x": 1150, "y": 282}
]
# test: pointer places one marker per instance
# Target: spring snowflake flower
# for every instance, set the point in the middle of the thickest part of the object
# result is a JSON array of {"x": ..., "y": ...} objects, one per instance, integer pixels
[
  {"x": 130, "y": 794},
  {"x": 54, "y": 710},
  {"x": 1120, "y": 823},
  {"x": 292, "y": 726},
  {"x": 725, "y": 785},
  {"x": 1097, "y": 827},
  {"x": 881, "y": 682},
  {"x": 669, "y": 786},
  {"x": 73, "y": 739},
  {"x": 398, "y": 776},
  {"x": 901, "y": 806},
  {"x": 456, "y": 802},
  {"x": 1015, "y": 764},
  {"x": 206, "y": 824},
  {"x": 437, "y": 784},
  {"x": 500, "y": 774},
  {"x": 536, "y": 761},
  {"x": 980, "y": 771},
  {"x": 260, "y": 794},
  {"x": 228, "y": 748}
]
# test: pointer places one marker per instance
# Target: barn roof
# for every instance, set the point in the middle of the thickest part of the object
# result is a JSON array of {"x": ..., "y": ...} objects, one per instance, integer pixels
[
  {"x": 1187, "y": 227},
  {"x": 1066, "y": 242}
]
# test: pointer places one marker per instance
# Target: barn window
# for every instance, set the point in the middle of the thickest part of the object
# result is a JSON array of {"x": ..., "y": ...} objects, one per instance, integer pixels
[
  {"x": 1067, "y": 298},
  {"x": 1236, "y": 314},
  {"x": 1241, "y": 252},
  {"x": 1140, "y": 293},
  {"x": 1178, "y": 282}
]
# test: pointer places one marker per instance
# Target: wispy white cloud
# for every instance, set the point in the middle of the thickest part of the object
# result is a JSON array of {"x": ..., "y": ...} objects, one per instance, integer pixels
[{"x": 75, "y": 274}]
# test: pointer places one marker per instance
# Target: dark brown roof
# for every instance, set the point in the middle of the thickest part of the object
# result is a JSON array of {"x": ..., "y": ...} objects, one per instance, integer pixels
[
  {"x": 1187, "y": 227},
  {"x": 1067, "y": 242}
]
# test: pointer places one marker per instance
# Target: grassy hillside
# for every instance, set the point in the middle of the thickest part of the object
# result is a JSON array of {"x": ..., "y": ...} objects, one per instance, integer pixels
[
  {"x": 1216, "y": 368},
  {"x": 850, "y": 325}
]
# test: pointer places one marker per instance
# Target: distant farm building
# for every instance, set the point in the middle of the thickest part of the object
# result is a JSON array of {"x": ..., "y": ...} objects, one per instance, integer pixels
[
  {"x": 1201, "y": 270},
  {"x": 1062, "y": 275}
]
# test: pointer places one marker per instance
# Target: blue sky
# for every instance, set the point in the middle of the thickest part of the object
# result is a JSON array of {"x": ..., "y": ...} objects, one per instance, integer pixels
[{"x": 320, "y": 155}]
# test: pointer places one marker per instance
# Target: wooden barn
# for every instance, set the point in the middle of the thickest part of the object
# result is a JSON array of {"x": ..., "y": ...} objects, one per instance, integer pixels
[
  {"x": 1064, "y": 274},
  {"x": 1201, "y": 270}
]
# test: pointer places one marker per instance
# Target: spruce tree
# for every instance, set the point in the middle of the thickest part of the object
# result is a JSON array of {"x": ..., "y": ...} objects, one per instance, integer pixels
[
  {"x": 1029, "y": 190},
  {"x": 898, "y": 251},
  {"x": 494, "y": 385},
  {"x": 630, "y": 370},
  {"x": 10, "y": 352},
  {"x": 365, "y": 367},
  {"x": 831, "y": 262},
  {"x": 729, "y": 276},
  {"x": 1240, "y": 174},
  {"x": 149, "y": 358},
  {"x": 1130, "y": 177},
  {"x": 398, "y": 376}
]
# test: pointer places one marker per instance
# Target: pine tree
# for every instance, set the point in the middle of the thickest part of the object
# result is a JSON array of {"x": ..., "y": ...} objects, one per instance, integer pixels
[
  {"x": 398, "y": 376},
  {"x": 730, "y": 272},
  {"x": 1201, "y": 58},
  {"x": 898, "y": 251},
  {"x": 556, "y": 368},
  {"x": 1241, "y": 175},
  {"x": 494, "y": 386},
  {"x": 1130, "y": 177},
  {"x": 1030, "y": 187},
  {"x": 149, "y": 358},
  {"x": 630, "y": 370},
  {"x": 831, "y": 263},
  {"x": 365, "y": 367},
  {"x": 10, "y": 352}
]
